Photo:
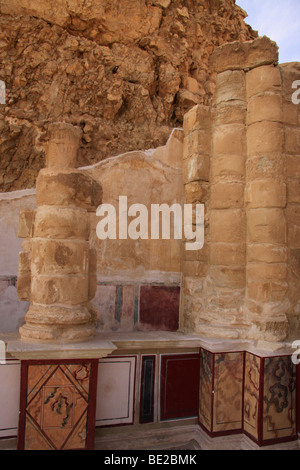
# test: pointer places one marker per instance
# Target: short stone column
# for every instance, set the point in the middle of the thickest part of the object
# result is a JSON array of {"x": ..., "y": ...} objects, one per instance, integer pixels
[{"x": 62, "y": 264}]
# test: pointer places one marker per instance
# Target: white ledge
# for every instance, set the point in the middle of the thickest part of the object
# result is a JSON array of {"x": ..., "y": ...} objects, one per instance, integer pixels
[
  {"x": 95, "y": 348},
  {"x": 106, "y": 343}
]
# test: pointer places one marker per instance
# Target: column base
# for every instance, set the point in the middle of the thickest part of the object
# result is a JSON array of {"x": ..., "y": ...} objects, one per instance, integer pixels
[
  {"x": 58, "y": 323},
  {"x": 74, "y": 334}
]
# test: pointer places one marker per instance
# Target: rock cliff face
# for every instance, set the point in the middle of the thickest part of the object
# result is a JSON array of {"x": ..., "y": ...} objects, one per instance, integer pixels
[{"x": 124, "y": 71}]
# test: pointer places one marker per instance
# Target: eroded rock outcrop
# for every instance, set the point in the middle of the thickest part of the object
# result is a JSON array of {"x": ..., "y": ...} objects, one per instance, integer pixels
[{"x": 125, "y": 72}]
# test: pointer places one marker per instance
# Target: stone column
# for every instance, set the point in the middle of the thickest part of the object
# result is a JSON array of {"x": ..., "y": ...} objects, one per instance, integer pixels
[
  {"x": 244, "y": 203},
  {"x": 196, "y": 165},
  {"x": 227, "y": 254},
  {"x": 62, "y": 265},
  {"x": 290, "y": 74},
  {"x": 265, "y": 196}
]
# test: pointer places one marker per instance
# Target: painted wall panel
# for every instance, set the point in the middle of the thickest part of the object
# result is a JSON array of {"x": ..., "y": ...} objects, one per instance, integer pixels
[
  {"x": 279, "y": 397},
  {"x": 115, "y": 391},
  {"x": 159, "y": 307},
  {"x": 57, "y": 406},
  {"x": 147, "y": 389},
  {"x": 179, "y": 386},
  {"x": 228, "y": 392},
  {"x": 9, "y": 398},
  {"x": 127, "y": 308},
  {"x": 206, "y": 387},
  {"x": 105, "y": 301},
  {"x": 252, "y": 394}
]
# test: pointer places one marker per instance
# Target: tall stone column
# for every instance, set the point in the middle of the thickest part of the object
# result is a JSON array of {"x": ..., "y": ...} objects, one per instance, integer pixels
[
  {"x": 227, "y": 254},
  {"x": 62, "y": 266},
  {"x": 290, "y": 74},
  {"x": 266, "y": 197},
  {"x": 247, "y": 273},
  {"x": 196, "y": 164}
]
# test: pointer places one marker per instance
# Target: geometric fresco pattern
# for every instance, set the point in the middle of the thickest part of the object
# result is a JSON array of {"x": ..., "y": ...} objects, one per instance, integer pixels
[
  {"x": 56, "y": 406},
  {"x": 279, "y": 408},
  {"x": 228, "y": 392},
  {"x": 242, "y": 392},
  {"x": 206, "y": 389},
  {"x": 252, "y": 395}
]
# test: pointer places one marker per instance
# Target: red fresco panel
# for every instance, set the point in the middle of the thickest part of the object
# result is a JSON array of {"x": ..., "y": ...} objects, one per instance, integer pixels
[
  {"x": 179, "y": 386},
  {"x": 159, "y": 307}
]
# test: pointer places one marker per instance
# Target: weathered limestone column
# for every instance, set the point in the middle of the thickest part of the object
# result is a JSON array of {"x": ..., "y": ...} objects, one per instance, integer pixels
[
  {"x": 232, "y": 266},
  {"x": 266, "y": 197},
  {"x": 290, "y": 74},
  {"x": 196, "y": 167},
  {"x": 62, "y": 265},
  {"x": 227, "y": 254}
]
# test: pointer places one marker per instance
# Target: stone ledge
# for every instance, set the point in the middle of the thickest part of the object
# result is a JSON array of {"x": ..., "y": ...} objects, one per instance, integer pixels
[
  {"x": 245, "y": 55},
  {"x": 93, "y": 349},
  {"x": 104, "y": 344}
]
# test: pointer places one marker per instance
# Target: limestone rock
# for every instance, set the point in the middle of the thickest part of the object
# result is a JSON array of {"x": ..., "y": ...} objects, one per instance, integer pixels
[
  {"x": 247, "y": 55},
  {"x": 126, "y": 75}
]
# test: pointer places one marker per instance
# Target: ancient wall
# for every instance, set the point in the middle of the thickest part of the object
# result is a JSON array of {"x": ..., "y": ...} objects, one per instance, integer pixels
[
  {"x": 131, "y": 278},
  {"x": 150, "y": 177},
  {"x": 12, "y": 310},
  {"x": 125, "y": 72},
  {"x": 139, "y": 279},
  {"x": 240, "y": 158},
  {"x": 247, "y": 278}
]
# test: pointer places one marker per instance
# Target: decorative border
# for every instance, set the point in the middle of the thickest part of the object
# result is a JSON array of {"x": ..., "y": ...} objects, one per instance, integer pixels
[{"x": 144, "y": 358}]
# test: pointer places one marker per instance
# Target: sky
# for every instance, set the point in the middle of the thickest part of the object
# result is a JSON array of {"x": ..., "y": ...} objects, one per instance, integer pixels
[{"x": 280, "y": 21}]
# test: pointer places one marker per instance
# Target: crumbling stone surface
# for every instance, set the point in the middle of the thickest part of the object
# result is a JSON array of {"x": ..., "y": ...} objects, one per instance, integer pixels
[
  {"x": 125, "y": 73},
  {"x": 248, "y": 284},
  {"x": 245, "y": 56},
  {"x": 56, "y": 274}
]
